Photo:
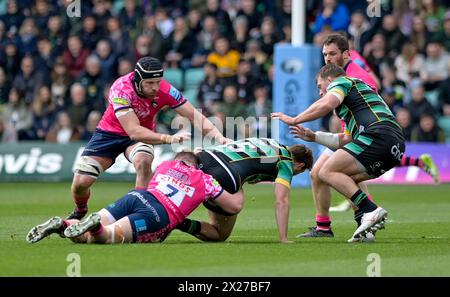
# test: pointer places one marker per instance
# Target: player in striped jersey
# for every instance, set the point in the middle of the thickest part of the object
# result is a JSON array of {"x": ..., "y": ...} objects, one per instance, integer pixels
[
  {"x": 249, "y": 160},
  {"x": 376, "y": 143},
  {"x": 336, "y": 51}
]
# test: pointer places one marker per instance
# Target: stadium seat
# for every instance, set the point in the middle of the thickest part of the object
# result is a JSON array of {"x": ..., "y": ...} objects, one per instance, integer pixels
[
  {"x": 444, "y": 123},
  {"x": 193, "y": 77},
  {"x": 191, "y": 95},
  {"x": 175, "y": 77},
  {"x": 432, "y": 98}
]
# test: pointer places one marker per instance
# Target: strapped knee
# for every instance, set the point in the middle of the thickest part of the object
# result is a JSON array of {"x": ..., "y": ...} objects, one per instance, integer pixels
[
  {"x": 116, "y": 233},
  {"x": 88, "y": 166},
  {"x": 141, "y": 148}
]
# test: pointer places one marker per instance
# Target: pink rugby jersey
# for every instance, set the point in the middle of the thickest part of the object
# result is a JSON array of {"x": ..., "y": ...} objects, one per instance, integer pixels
[
  {"x": 122, "y": 95},
  {"x": 354, "y": 70},
  {"x": 181, "y": 189}
]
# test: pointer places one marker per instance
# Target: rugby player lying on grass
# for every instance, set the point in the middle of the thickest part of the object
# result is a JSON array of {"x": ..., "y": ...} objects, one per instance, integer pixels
[{"x": 176, "y": 189}]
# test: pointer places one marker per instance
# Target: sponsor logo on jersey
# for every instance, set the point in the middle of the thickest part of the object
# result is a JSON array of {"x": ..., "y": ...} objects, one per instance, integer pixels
[
  {"x": 120, "y": 101},
  {"x": 175, "y": 93}
]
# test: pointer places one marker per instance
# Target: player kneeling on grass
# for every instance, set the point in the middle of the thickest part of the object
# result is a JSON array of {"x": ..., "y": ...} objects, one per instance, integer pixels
[
  {"x": 176, "y": 189},
  {"x": 249, "y": 160}
]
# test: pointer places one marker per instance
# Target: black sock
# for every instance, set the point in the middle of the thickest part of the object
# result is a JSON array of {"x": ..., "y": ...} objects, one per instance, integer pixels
[
  {"x": 363, "y": 203},
  {"x": 190, "y": 226}
]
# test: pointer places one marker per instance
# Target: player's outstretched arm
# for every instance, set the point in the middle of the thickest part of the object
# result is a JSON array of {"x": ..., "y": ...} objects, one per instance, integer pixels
[
  {"x": 330, "y": 140},
  {"x": 315, "y": 111},
  {"x": 282, "y": 211},
  {"x": 135, "y": 131},
  {"x": 201, "y": 122}
]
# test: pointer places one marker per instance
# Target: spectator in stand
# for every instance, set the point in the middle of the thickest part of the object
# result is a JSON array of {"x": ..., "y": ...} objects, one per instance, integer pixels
[
  {"x": 240, "y": 27},
  {"x": 269, "y": 36},
  {"x": 44, "y": 113},
  {"x": 125, "y": 66},
  {"x": 444, "y": 34},
  {"x": 13, "y": 18},
  {"x": 91, "y": 123},
  {"x": 7, "y": 132},
  {"x": 56, "y": 34},
  {"x": 436, "y": 65},
  {"x": 260, "y": 109},
  {"x": 225, "y": 59},
  {"x": 419, "y": 104},
  {"x": 194, "y": 20},
  {"x": 142, "y": 47},
  {"x": 102, "y": 12},
  {"x": 427, "y": 130},
  {"x": 41, "y": 13},
  {"x": 419, "y": 35},
  {"x": 404, "y": 119},
  {"x": 375, "y": 53},
  {"x": 433, "y": 13},
  {"x": 11, "y": 59},
  {"x": 181, "y": 45},
  {"x": 390, "y": 84},
  {"x": 28, "y": 35},
  {"x": 78, "y": 110},
  {"x": 62, "y": 130},
  {"x": 358, "y": 26},
  {"x": 222, "y": 17},
  {"x": 334, "y": 15},
  {"x": 131, "y": 19},
  {"x": 60, "y": 82},
  {"x": 393, "y": 36},
  {"x": 205, "y": 40},
  {"x": 254, "y": 17},
  {"x": 75, "y": 56},
  {"x": 256, "y": 56},
  {"x": 245, "y": 82},
  {"x": 117, "y": 37},
  {"x": 157, "y": 46},
  {"x": 29, "y": 80},
  {"x": 90, "y": 32},
  {"x": 409, "y": 64},
  {"x": 164, "y": 23},
  {"x": 5, "y": 86},
  {"x": 92, "y": 82},
  {"x": 17, "y": 115},
  {"x": 46, "y": 56},
  {"x": 444, "y": 98},
  {"x": 108, "y": 60},
  {"x": 210, "y": 90}
]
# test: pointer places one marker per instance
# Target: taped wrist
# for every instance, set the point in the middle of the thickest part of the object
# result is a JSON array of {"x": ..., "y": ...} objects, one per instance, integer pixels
[{"x": 330, "y": 140}]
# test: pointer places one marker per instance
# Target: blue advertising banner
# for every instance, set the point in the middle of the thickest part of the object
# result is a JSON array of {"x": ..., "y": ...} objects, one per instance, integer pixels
[{"x": 294, "y": 90}]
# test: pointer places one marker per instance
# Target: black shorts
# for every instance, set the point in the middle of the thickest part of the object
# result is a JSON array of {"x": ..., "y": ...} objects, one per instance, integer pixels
[
  {"x": 148, "y": 217},
  {"x": 106, "y": 144},
  {"x": 379, "y": 148},
  {"x": 221, "y": 170}
]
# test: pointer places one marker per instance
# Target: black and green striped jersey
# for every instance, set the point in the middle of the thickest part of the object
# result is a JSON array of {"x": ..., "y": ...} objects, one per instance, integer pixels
[
  {"x": 257, "y": 159},
  {"x": 360, "y": 106}
]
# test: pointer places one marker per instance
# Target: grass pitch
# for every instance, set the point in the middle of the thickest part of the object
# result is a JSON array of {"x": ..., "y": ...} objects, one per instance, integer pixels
[{"x": 416, "y": 241}]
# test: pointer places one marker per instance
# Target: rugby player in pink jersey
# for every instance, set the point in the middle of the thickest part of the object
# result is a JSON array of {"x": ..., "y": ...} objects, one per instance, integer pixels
[
  {"x": 128, "y": 125},
  {"x": 336, "y": 51},
  {"x": 148, "y": 215}
]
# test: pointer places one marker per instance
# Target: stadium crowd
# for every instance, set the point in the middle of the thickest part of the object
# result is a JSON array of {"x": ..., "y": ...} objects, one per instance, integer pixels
[{"x": 56, "y": 69}]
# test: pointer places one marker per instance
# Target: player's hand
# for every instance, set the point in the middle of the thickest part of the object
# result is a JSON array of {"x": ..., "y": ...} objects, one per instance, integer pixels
[
  {"x": 303, "y": 133},
  {"x": 223, "y": 140},
  {"x": 180, "y": 137},
  {"x": 197, "y": 150},
  {"x": 282, "y": 117}
]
